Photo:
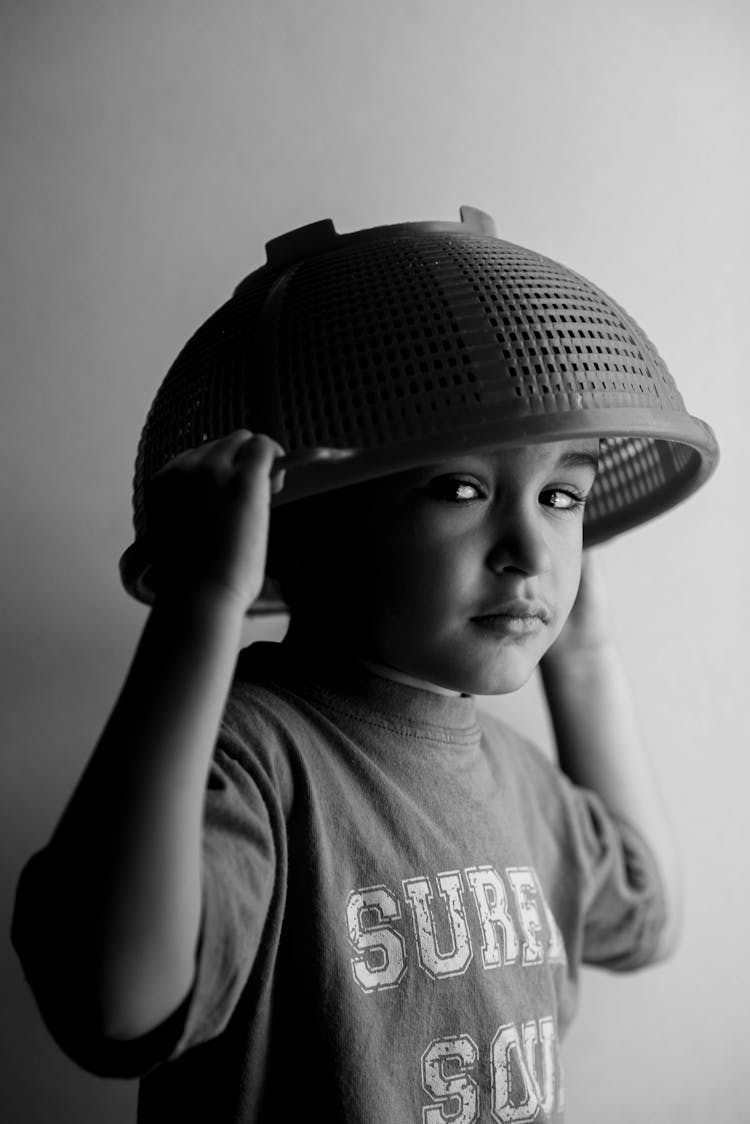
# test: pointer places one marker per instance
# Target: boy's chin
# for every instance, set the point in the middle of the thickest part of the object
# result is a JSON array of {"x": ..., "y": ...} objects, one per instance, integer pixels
[
  {"x": 502, "y": 676},
  {"x": 506, "y": 676}
]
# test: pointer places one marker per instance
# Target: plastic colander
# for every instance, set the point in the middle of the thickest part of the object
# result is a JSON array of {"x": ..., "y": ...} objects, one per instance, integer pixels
[{"x": 412, "y": 343}]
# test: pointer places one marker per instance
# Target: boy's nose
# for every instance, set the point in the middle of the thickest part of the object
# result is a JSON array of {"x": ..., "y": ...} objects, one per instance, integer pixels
[{"x": 521, "y": 544}]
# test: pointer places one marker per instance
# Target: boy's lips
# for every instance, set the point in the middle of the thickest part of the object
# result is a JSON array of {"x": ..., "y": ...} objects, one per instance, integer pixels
[{"x": 518, "y": 610}]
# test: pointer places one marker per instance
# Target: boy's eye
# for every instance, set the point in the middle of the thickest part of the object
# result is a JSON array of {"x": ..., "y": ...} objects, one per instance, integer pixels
[
  {"x": 563, "y": 499},
  {"x": 459, "y": 490},
  {"x": 453, "y": 488}
]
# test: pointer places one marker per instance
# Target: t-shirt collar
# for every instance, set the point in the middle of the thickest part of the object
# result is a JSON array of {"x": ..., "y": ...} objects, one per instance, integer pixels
[{"x": 341, "y": 680}]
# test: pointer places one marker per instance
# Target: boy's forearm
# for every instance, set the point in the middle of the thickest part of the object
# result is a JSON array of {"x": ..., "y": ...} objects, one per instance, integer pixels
[
  {"x": 128, "y": 847},
  {"x": 600, "y": 747}
]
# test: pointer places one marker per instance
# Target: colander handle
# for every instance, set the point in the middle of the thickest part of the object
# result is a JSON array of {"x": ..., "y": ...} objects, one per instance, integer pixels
[
  {"x": 479, "y": 222},
  {"x": 319, "y": 237},
  {"x": 317, "y": 455}
]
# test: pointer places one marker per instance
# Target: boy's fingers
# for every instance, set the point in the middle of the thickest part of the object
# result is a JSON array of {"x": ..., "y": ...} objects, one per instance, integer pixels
[
  {"x": 277, "y": 482},
  {"x": 242, "y": 449},
  {"x": 220, "y": 450},
  {"x": 225, "y": 450},
  {"x": 180, "y": 460},
  {"x": 263, "y": 451},
  {"x": 256, "y": 449}
]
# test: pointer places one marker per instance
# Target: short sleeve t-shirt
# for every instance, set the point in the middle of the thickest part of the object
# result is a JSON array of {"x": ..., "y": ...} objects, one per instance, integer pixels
[{"x": 398, "y": 893}]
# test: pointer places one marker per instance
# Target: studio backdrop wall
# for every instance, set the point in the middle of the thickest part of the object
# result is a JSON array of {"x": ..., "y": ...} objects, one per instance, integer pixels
[{"x": 149, "y": 151}]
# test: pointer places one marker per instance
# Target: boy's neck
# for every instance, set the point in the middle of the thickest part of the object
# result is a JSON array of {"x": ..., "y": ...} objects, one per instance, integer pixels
[
  {"x": 309, "y": 639},
  {"x": 402, "y": 677}
]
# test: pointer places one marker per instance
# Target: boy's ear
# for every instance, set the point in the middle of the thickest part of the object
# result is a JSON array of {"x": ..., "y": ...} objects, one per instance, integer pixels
[
  {"x": 297, "y": 532},
  {"x": 279, "y": 542}
]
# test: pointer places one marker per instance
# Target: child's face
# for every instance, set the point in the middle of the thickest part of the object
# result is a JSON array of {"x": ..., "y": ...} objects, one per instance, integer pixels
[{"x": 426, "y": 552}]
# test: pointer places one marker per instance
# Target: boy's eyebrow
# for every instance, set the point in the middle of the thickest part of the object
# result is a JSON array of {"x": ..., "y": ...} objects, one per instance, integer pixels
[{"x": 579, "y": 460}]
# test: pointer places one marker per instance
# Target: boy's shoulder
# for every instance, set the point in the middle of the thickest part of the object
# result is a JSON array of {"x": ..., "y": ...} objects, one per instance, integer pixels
[
  {"x": 503, "y": 738},
  {"x": 523, "y": 767},
  {"x": 266, "y": 693},
  {"x": 259, "y": 692},
  {"x": 262, "y": 726}
]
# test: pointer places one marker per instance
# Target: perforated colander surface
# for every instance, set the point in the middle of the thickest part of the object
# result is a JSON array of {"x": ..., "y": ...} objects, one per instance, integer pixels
[{"x": 413, "y": 343}]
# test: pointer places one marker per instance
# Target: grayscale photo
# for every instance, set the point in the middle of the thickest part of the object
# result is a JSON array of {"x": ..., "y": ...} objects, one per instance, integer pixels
[{"x": 375, "y": 747}]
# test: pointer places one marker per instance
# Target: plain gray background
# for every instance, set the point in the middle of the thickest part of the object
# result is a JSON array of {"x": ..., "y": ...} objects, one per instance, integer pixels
[{"x": 149, "y": 150}]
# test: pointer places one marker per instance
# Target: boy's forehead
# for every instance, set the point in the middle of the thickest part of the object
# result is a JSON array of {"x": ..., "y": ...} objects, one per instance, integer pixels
[{"x": 582, "y": 453}]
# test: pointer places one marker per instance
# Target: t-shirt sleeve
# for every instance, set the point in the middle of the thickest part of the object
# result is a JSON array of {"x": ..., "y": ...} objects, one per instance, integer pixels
[
  {"x": 243, "y": 827},
  {"x": 243, "y": 831},
  {"x": 602, "y": 877},
  {"x": 622, "y": 894}
]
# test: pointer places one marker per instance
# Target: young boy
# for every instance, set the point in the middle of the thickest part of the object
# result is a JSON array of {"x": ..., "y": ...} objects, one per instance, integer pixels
[{"x": 315, "y": 880}]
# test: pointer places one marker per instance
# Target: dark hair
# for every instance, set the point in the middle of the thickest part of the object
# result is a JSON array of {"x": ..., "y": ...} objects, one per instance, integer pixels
[
  {"x": 306, "y": 538},
  {"x": 312, "y": 543}
]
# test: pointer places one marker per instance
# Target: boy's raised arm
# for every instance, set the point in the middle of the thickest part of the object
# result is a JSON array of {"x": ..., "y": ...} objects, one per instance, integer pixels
[
  {"x": 120, "y": 880},
  {"x": 599, "y": 741}
]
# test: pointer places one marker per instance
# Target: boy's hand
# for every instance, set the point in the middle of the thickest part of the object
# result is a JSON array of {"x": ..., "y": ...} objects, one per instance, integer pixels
[
  {"x": 207, "y": 515},
  {"x": 588, "y": 628}
]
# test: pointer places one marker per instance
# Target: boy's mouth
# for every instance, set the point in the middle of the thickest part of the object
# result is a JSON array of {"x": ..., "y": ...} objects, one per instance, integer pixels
[
  {"x": 506, "y": 625},
  {"x": 517, "y": 610}
]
